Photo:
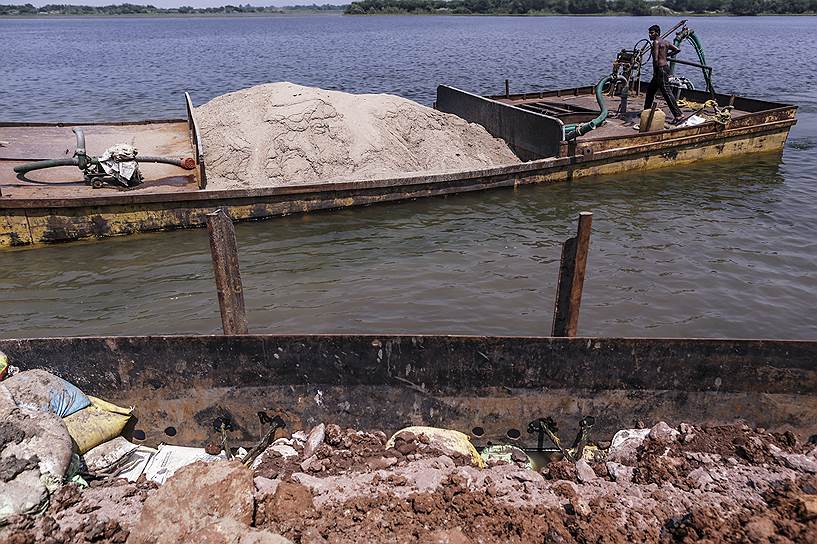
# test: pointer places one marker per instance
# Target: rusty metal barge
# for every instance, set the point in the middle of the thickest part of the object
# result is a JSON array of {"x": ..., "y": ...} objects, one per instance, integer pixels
[
  {"x": 488, "y": 387},
  {"x": 563, "y": 135}
]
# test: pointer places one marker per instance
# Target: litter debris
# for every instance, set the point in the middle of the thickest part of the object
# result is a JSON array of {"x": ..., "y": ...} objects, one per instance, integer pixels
[
  {"x": 508, "y": 454},
  {"x": 119, "y": 162},
  {"x": 625, "y": 443},
  {"x": 138, "y": 461},
  {"x": 169, "y": 459},
  {"x": 445, "y": 440},
  {"x": 109, "y": 457},
  {"x": 358, "y": 486},
  {"x": 5, "y": 369},
  {"x": 355, "y": 489},
  {"x": 96, "y": 424},
  {"x": 44, "y": 392},
  {"x": 693, "y": 120}
]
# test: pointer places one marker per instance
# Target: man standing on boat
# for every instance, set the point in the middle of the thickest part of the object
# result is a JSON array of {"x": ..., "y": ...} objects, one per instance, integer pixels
[{"x": 661, "y": 48}]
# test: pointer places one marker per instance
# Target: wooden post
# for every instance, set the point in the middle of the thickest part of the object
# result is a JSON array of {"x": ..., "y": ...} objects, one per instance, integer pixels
[
  {"x": 571, "y": 279},
  {"x": 228, "y": 277},
  {"x": 507, "y": 89}
]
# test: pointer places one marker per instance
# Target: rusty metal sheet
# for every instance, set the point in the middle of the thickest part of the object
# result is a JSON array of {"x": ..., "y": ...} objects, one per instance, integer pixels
[
  {"x": 385, "y": 381},
  {"x": 531, "y": 135}
]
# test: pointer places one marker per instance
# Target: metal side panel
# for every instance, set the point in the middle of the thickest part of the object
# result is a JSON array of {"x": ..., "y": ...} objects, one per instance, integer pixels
[
  {"x": 496, "y": 384},
  {"x": 531, "y": 135}
]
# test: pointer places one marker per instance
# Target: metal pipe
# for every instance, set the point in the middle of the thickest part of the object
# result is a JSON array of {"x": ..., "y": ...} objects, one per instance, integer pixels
[
  {"x": 79, "y": 153},
  {"x": 695, "y": 64},
  {"x": 187, "y": 163}
]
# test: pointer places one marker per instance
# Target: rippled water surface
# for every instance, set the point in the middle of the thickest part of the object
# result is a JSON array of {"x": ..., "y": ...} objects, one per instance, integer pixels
[{"x": 725, "y": 249}]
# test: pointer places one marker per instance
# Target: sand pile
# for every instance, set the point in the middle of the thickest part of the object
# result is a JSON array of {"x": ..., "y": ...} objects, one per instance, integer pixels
[
  {"x": 282, "y": 134},
  {"x": 719, "y": 484}
]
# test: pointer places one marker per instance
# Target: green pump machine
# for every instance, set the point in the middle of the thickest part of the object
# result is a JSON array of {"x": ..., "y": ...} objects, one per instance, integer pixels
[{"x": 626, "y": 77}]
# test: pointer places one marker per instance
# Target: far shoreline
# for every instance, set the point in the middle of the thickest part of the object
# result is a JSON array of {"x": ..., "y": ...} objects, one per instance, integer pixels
[{"x": 337, "y": 13}]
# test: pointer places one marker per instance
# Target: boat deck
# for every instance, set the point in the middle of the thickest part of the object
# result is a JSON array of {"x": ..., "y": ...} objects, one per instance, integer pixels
[
  {"x": 27, "y": 143},
  {"x": 581, "y": 108}
]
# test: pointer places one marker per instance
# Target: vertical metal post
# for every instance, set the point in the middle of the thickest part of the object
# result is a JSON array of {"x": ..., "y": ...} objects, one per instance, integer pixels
[
  {"x": 228, "y": 277},
  {"x": 507, "y": 88},
  {"x": 571, "y": 279}
]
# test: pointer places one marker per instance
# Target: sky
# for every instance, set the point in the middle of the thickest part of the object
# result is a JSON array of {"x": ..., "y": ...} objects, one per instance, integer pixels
[{"x": 177, "y": 3}]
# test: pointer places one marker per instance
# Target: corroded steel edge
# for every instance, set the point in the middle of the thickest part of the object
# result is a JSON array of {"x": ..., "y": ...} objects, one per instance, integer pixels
[{"x": 389, "y": 381}]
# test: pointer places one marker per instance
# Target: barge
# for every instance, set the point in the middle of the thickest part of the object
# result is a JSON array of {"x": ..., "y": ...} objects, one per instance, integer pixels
[
  {"x": 490, "y": 388},
  {"x": 549, "y": 130}
]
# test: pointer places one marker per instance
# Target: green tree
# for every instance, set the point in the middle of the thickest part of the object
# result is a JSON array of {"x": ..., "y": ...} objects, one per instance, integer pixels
[{"x": 745, "y": 7}]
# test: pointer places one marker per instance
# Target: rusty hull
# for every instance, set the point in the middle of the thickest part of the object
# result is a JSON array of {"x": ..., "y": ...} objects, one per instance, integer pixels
[
  {"x": 387, "y": 382},
  {"x": 43, "y": 216}
]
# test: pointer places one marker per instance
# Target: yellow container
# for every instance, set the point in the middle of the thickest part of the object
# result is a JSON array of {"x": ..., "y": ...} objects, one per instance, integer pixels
[{"x": 651, "y": 125}]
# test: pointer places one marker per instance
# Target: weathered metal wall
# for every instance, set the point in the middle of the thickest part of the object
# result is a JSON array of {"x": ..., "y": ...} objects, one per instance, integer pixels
[
  {"x": 531, "y": 135},
  {"x": 387, "y": 382}
]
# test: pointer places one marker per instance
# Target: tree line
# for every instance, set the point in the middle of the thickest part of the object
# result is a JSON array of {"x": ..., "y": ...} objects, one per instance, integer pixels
[
  {"x": 581, "y": 7},
  {"x": 137, "y": 9}
]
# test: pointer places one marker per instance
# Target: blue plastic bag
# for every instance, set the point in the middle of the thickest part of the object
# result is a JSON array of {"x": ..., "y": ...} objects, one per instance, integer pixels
[{"x": 44, "y": 392}]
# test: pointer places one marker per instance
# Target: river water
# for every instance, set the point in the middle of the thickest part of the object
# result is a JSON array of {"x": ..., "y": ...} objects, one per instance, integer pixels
[{"x": 724, "y": 249}]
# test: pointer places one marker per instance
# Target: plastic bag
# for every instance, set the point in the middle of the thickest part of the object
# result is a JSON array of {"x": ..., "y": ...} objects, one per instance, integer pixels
[
  {"x": 44, "y": 392},
  {"x": 446, "y": 440},
  {"x": 98, "y": 423},
  {"x": 138, "y": 461},
  {"x": 108, "y": 456},
  {"x": 4, "y": 366},
  {"x": 508, "y": 454},
  {"x": 171, "y": 458}
]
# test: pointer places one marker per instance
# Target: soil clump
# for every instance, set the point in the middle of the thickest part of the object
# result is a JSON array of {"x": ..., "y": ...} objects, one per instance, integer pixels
[{"x": 334, "y": 485}]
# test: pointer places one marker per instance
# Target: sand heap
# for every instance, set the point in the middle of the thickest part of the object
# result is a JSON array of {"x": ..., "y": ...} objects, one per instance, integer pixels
[{"x": 282, "y": 134}]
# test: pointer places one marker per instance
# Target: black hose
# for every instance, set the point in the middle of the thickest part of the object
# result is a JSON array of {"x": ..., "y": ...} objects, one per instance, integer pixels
[{"x": 50, "y": 163}]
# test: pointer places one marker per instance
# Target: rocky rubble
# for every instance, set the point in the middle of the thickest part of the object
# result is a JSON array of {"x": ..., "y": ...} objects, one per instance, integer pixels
[{"x": 333, "y": 485}]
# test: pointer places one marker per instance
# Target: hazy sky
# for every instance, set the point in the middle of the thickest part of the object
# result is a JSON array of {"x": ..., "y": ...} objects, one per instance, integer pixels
[{"x": 177, "y": 3}]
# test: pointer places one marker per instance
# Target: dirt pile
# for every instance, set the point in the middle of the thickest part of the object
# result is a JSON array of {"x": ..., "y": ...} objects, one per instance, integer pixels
[
  {"x": 333, "y": 485},
  {"x": 691, "y": 483},
  {"x": 282, "y": 134}
]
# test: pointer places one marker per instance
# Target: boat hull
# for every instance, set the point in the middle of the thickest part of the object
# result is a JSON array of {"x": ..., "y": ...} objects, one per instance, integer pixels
[{"x": 41, "y": 220}]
